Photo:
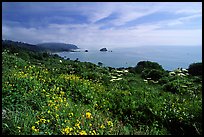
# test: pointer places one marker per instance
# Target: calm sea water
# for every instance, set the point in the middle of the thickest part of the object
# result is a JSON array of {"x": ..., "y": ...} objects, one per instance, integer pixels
[{"x": 170, "y": 57}]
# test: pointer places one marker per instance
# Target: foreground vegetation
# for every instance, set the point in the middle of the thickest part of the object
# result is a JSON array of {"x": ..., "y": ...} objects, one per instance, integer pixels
[{"x": 45, "y": 94}]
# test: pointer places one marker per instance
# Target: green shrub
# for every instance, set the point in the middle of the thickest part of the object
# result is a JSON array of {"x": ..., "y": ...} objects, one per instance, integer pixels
[
  {"x": 195, "y": 69},
  {"x": 180, "y": 85},
  {"x": 154, "y": 74},
  {"x": 147, "y": 65}
]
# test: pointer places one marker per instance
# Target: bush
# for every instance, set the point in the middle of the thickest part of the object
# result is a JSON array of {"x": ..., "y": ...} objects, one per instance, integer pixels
[
  {"x": 147, "y": 65},
  {"x": 153, "y": 74},
  {"x": 195, "y": 69},
  {"x": 45, "y": 55}
]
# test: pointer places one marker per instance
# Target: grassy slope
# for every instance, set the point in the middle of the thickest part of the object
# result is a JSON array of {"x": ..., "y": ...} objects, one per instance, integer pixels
[{"x": 52, "y": 97}]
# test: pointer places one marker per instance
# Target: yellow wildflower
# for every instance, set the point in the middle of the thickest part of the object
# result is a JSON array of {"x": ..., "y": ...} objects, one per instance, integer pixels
[
  {"x": 61, "y": 100},
  {"x": 102, "y": 126},
  {"x": 62, "y": 93},
  {"x": 77, "y": 125},
  {"x": 34, "y": 129},
  {"x": 66, "y": 130},
  {"x": 71, "y": 114},
  {"x": 37, "y": 122},
  {"x": 43, "y": 120},
  {"x": 56, "y": 115},
  {"x": 88, "y": 115},
  {"x": 82, "y": 132},
  {"x": 110, "y": 123},
  {"x": 93, "y": 132}
]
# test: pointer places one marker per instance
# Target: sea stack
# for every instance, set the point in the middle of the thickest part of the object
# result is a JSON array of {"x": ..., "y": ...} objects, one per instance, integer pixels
[{"x": 103, "y": 49}]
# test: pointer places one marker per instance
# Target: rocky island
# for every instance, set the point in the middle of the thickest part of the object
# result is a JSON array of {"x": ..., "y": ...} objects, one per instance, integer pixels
[{"x": 103, "y": 49}]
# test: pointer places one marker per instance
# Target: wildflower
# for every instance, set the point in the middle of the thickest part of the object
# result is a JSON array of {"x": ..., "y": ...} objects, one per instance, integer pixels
[
  {"x": 82, "y": 132},
  {"x": 119, "y": 78},
  {"x": 93, "y": 132},
  {"x": 66, "y": 104},
  {"x": 90, "y": 124},
  {"x": 66, "y": 130},
  {"x": 37, "y": 122},
  {"x": 43, "y": 120},
  {"x": 184, "y": 70},
  {"x": 57, "y": 116},
  {"x": 172, "y": 73},
  {"x": 71, "y": 114},
  {"x": 62, "y": 93},
  {"x": 110, "y": 123},
  {"x": 145, "y": 80},
  {"x": 88, "y": 115},
  {"x": 77, "y": 125},
  {"x": 125, "y": 71},
  {"x": 181, "y": 74},
  {"x": 61, "y": 100},
  {"x": 114, "y": 77},
  {"x": 119, "y": 71},
  {"x": 19, "y": 129},
  {"x": 34, "y": 129},
  {"x": 102, "y": 126}
]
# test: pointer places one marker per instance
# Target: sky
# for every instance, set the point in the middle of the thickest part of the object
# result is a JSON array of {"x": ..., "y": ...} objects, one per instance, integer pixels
[{"x": 104, "y": 24}]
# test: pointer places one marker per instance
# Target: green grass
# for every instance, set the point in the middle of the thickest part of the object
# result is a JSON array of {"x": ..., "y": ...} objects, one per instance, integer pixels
[{"x": 52, "y": 98}]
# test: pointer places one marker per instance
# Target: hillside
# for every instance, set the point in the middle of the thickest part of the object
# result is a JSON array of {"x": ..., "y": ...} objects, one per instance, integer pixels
[
  {"x": 43, "y": 94},
  {"x": 43, "y": 47},
  {"x": 16, "y": 45},
  {"x": 57, "y": 47}
]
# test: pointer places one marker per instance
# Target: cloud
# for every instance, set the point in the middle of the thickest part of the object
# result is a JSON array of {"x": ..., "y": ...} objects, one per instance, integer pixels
[
  {"x": 90, "y": 36},
  {"x": 93, "y": 25}
]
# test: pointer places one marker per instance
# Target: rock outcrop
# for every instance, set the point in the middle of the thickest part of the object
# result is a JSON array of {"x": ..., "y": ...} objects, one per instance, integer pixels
[{"x": 103, "y": 49}]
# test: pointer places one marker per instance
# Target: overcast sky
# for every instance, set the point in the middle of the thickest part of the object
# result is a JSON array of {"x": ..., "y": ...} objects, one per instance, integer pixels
[{"x": 103, "y": 24}]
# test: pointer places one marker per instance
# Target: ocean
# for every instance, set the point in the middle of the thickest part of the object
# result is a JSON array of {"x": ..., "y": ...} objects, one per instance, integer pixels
[{"x": 170, "y": 57}]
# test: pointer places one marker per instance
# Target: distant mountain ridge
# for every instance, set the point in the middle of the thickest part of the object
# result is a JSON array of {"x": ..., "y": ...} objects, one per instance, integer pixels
[
  {"x": 54, "y": 46},
  {"x": 42, "y": 47}
]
